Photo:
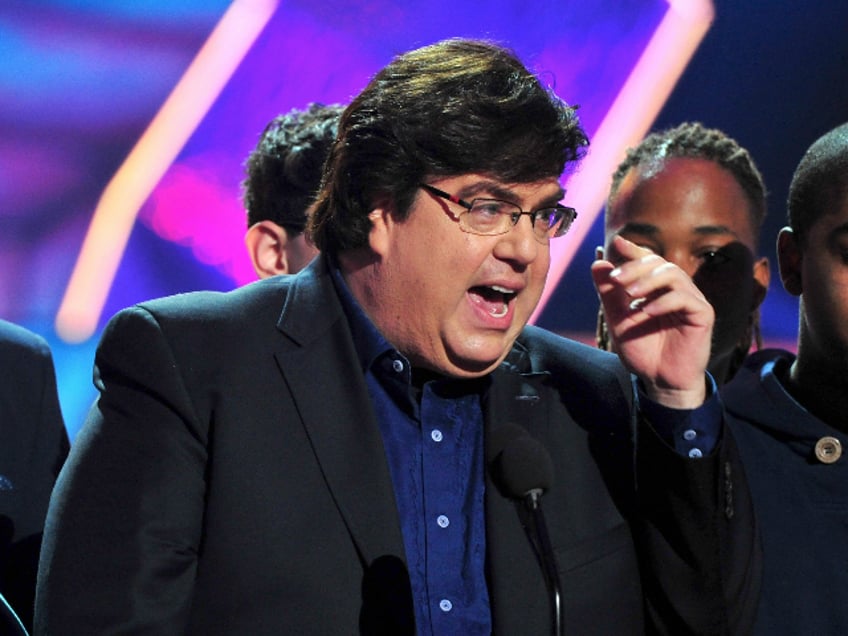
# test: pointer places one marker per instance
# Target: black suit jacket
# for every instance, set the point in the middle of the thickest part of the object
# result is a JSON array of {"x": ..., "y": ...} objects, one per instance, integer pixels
[
  {"x": 232, "y": 480},
  {"x": 33, "y": 445}
]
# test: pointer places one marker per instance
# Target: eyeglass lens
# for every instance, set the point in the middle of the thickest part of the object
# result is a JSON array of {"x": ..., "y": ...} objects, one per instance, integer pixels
[{"x": 491, "y": 216}]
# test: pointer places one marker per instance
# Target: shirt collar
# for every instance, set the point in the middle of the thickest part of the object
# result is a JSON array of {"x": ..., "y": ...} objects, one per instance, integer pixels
[{"x": 369, "y": 343}]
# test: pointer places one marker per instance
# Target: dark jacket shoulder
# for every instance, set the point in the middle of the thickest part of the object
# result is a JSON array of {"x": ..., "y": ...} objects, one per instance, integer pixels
[
  {"x": 19, "y": 343},
  {"x": 587, "y": 372}
]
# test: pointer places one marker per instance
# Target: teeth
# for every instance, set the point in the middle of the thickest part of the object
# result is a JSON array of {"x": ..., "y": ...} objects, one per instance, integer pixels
[{"x": 499, "y": 314}]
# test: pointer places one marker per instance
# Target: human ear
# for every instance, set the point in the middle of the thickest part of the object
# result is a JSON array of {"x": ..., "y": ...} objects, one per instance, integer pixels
[
  {"x": 382, "y": 222},
  {"x": 789, "y": 260},
  {"x": 266, "y": 245},
  {"x": 762, "y": 278}
]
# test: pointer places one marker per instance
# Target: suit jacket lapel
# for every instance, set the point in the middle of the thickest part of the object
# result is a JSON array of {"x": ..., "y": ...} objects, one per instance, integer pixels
[{"x": 321, "y": 369}]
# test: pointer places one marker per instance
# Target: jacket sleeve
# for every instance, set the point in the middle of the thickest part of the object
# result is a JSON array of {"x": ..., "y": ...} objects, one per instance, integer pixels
[
  {"x": 124, "y": 523},
  {"x": 697, "y": 538}
]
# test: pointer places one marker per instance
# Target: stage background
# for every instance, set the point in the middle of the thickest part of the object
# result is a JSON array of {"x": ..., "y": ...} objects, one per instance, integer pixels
[{"x": 81, "y": 81}]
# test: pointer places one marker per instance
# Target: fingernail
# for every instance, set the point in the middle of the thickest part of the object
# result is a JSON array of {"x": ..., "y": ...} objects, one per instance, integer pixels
[{"x": 615, "y": 273}]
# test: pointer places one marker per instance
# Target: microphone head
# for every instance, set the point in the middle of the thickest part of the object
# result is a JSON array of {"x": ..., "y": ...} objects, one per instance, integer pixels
[
  {"x": 499, "y": 438},
  {"x": 519, "y": 463}
]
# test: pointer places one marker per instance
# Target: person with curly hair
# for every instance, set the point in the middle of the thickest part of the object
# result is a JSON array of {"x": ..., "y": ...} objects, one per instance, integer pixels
[{"x": 283, "y": 176}]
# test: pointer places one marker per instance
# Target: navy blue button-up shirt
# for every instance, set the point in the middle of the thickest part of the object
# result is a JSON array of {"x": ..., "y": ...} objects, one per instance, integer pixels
[{"x": 433, "y": 436}]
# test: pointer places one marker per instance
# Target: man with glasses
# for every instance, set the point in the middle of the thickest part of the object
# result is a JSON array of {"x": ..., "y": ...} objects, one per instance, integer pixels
[{"x": 350, "y": 450}]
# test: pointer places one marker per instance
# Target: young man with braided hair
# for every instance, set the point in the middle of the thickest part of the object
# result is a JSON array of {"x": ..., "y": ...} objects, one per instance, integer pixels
[{"x": 694, "y": 196}]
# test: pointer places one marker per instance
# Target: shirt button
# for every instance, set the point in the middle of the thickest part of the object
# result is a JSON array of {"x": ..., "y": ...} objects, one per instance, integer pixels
[
  {"x": 689, "y": 435},
  {"x": 397, "y": 365},
  {"x": 443, "y": 521},
  {"x": 445, "y": 605},
  {"x": 436, "y": 435},
  {"x": 828, "y": 450},
  {"x": 695, "y": 453}
]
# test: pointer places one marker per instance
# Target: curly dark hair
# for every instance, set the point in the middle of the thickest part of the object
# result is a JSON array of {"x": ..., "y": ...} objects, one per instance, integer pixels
[
  {"x": 455, "y": 107},
  {"x": 820, "y": 181},
  {"x": 694, "y": 141},
  {"x": 283, "y": 172}
]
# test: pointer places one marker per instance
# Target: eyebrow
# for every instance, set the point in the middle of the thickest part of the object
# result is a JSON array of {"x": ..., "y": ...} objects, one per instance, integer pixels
[
  {"x": 649, "y": 229},
  {"x": 497, "y": 191},
  {"x": 839, "y": 231}
]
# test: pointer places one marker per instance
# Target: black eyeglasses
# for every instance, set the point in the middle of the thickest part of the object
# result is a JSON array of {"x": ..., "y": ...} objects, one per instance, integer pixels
[{"x": 490, "y": 217}]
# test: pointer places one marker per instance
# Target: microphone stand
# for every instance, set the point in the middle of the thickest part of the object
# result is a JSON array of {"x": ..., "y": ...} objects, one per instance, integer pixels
[
  {"x": 523, "y": 469},
  {"x": 533, "y": 500}
]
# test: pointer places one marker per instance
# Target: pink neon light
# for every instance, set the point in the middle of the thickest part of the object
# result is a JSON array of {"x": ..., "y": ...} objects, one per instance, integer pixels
[
  {"x": 630, "y": 117},
  {"x": 120, "y": 202},
  {"x": 190, "y": 208}
]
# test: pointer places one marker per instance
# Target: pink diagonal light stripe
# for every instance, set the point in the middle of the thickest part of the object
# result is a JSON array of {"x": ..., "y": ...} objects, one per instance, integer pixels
[
  {"x": 628, "y": 119},
  {"x": 155, "y": 151}
]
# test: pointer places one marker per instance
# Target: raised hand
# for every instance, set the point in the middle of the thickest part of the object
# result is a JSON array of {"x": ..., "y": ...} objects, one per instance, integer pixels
[{"x": 659, "y": 322}]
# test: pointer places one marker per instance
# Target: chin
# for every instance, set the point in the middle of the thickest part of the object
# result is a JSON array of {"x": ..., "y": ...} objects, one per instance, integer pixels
[
  {"x": 474, "y": 366},
  {"x": 469, "y": 371}
]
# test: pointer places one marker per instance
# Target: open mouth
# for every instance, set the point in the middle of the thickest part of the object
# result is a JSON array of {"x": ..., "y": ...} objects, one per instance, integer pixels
[{"x": 493, "y": 298}]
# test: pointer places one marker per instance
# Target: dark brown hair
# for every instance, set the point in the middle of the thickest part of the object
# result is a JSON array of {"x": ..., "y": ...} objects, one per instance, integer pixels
[{"x": 452, "y": 108}]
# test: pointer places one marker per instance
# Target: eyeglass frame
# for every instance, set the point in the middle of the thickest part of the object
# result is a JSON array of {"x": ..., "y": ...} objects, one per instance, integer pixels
[{"x": 569, "y": 213}]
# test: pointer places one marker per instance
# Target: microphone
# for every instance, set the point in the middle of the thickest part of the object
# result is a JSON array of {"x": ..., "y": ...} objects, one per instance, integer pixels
[{"x": 523, "y": 469}]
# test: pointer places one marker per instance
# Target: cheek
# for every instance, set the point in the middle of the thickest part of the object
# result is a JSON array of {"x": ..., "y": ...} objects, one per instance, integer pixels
[
  {"x": 731, "y": 293},
  {"x": 536, "y": 275},
  {"x": 539, "y": 268},
  {"x": 827, "y": 301},
  {"x": 732, "y": 310},
  {"x": 537, "y": 283}
]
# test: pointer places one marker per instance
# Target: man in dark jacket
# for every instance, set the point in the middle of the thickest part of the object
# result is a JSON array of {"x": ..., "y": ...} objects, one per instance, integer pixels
[
  {"x": 352, "y": 448},
  {"x": 33, "y": 446}
]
